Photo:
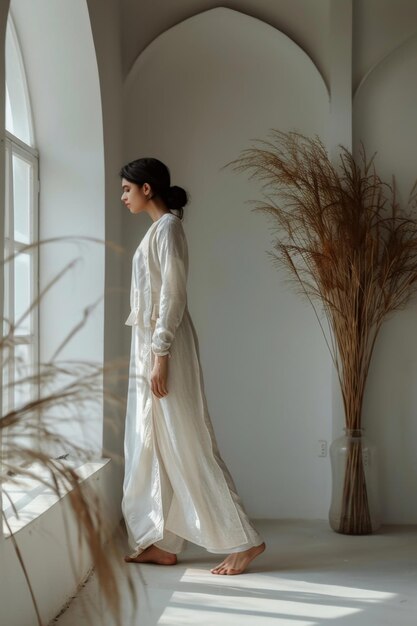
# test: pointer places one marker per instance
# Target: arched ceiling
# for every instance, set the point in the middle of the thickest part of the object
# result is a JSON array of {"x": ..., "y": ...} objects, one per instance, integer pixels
[{"x": 303, "y": 21}]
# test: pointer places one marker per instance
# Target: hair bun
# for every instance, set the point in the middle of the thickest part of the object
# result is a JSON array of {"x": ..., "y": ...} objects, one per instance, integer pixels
[{"x": 176, "y": 197}]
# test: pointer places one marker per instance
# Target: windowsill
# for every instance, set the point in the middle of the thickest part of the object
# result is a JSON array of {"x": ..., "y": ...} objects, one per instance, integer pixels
[{"x": 32, "y": 498}]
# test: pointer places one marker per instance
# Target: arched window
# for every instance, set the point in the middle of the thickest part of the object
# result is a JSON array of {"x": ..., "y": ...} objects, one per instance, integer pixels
[
  {"x": 52, "y": 78},
  {"x": 18, "y": 111},
  {"x": 21, "y": 230},
  {"x": 53, "y": 105}
]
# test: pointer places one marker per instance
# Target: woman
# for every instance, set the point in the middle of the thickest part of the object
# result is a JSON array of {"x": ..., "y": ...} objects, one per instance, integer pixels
[{"x": 176, "y": 485}]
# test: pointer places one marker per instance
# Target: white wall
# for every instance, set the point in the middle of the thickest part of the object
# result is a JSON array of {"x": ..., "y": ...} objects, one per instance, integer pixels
[
  {"x": 379, "y": 27},
  {"x": 54, "y": 560},
  {"x": 4, "y": 9},
  {"x": 182, "y": 130},
  {"x": 65, "y": 95},
  {"x": 306, "y": 22},
  {"x": 96, "y": 203},
  {"x": 385, "y": 107},
  {"x": 105, "y": 24},
  {"x": 265, "y": 362}
]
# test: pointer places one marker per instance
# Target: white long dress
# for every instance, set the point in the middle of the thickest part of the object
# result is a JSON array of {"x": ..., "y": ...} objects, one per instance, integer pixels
[{"x": 176, "y": 485}]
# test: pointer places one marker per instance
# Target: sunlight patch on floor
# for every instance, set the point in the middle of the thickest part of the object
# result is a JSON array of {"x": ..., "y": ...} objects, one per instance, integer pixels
[
  {"x": 250, "y": 606},
  {"x": 302, "y": 602},
  {"x": 179, "y": 617},
  {"x": 248, "y": 600},
  {"x": 260, "y": 581}
]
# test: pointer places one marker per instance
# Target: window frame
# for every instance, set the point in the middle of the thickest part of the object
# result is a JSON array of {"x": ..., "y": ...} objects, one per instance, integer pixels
[{"x": 15, "y": 146}]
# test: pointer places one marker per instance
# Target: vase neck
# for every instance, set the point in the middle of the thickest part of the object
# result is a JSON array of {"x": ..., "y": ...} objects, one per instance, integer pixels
[{"x": 354, "y": 432}]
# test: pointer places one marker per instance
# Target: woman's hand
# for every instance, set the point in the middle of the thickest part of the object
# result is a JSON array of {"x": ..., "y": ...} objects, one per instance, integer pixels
[{"x": 159, "y": 376}]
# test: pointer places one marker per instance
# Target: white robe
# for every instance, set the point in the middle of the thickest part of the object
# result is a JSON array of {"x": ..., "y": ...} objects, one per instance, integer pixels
[{"x": 176, "y": 485}]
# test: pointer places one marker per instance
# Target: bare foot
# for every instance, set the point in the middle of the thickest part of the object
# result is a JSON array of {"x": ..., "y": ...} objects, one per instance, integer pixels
[
  {"x": 237, "y": 562},
  {"x": 152, "y": 554}
]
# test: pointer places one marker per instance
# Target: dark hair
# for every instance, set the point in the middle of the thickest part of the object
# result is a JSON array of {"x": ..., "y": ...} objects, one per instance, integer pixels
[{"x": 157, "y": 175}]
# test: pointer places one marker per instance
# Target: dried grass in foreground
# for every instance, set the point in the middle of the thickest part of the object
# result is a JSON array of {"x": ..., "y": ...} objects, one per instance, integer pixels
[{"x": 69, "y": 390}]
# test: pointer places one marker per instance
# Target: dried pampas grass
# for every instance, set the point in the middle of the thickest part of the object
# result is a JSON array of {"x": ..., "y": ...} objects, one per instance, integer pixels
[
  {"x": 348, "y": 246},
  {"x": 66, "y": 388}
]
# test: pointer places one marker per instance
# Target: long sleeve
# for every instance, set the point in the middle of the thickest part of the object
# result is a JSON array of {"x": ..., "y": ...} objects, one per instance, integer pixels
[{"x": 173, "y": 259}]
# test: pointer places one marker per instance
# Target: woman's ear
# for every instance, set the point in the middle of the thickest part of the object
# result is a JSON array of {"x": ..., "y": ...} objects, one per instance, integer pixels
[{"x": 147, "y": 190}]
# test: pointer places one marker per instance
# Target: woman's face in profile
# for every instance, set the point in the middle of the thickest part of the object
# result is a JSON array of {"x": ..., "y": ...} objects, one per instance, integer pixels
[{"x": 134, "y": 196}]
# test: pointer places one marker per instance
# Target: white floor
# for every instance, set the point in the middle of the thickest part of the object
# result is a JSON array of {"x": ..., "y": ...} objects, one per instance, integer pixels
[{"x": 307, "y": 576}]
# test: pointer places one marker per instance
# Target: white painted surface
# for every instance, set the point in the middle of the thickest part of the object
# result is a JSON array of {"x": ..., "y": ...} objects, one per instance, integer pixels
[
  {"x": 307, "y": 576},
  {"x": 54, "y": 560},
  {"x": 384, "y": 113},
  {"x": 380, "y": 26},
  {"x": 265, "y": 363},
  {"x": 306, "y": 22},
  {"x": 65, "y": 95},
  {"x": 72, "y": 164}
]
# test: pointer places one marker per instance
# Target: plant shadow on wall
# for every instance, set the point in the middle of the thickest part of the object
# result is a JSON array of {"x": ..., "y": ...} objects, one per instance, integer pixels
[
  {"x": 348, "y": 246},
  {"x": 66, "y": 388}
]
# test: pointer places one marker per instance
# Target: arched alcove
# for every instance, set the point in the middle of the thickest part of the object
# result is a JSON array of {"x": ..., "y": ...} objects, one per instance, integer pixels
[
  {"x": 65, "y": 92},
  {"x": 384, "y": 114},
  {"x": 60, "y": 63},
  {"x": 194, "y": 98}
]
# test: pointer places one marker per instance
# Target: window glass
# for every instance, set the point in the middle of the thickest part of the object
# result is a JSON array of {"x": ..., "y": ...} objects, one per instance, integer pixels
[
  {"x": 20, "y": 360},
  {"x": 22, "y": 183},
  {"x": 22, "y": 387},
  {"x": 22, "y": 292},
  {"x": 18, "y": 113}
]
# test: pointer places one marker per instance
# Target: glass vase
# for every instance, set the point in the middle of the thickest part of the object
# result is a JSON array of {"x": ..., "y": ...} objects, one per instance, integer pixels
[{"x": 354, "y": 508}]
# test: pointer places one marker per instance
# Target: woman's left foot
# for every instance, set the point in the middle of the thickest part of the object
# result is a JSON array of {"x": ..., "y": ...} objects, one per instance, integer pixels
[
  {"x": 153, "y": 554},
  {"x": 237, "y": 562}
]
